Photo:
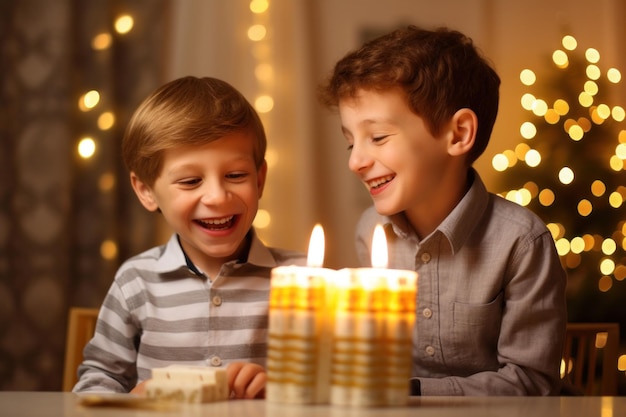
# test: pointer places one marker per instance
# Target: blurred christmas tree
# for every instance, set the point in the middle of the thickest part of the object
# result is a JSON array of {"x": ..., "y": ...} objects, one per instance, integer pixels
[{"x": 569, "y": 168}]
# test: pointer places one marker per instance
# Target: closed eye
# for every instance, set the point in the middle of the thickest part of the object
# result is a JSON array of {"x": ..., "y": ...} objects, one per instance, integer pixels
[
  {"x": 237, "y": 176},
  {"x": 189, "y": 182}
]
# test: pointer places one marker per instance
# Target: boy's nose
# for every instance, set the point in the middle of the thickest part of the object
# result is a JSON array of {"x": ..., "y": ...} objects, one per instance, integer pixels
[
  {"x": 359, "y": 159},
  {"x": 214, "y": 194}
]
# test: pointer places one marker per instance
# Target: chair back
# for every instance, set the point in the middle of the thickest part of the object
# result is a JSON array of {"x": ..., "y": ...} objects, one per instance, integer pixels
[
  {"x": 590, "y": 357},
  {"x": 81, "y": 326}
]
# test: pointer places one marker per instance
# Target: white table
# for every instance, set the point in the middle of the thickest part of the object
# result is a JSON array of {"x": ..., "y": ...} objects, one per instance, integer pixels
[{"x": 59, "y": 404}]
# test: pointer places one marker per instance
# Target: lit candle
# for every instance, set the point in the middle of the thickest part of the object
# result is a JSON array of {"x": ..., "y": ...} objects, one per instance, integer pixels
[
  {"x": 299, "y": 340},
  {"x": 375, "y": 312}
]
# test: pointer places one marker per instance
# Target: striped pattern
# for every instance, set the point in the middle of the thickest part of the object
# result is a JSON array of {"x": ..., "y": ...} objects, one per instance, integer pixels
[{"x": 158, "y": 312}]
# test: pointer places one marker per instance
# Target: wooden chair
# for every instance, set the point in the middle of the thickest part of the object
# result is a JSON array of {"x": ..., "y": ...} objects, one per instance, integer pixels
[
  {"x": 590, "y": 357},
  {"x": 81, "y": 327}
]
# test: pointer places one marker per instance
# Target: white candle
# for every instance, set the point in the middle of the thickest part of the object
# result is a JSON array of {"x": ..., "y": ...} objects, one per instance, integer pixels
[
  {"x": 299, "y": 339},
  {"x": 371, "y": 360}
]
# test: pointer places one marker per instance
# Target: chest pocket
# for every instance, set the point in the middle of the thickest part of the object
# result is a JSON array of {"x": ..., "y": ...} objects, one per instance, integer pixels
[{"x": 476, "y": 329}]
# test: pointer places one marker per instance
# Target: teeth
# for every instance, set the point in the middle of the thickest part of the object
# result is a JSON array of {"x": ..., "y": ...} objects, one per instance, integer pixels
[
  {"x": 217, "y": 222},
  {"x": 380, "y": 181}
]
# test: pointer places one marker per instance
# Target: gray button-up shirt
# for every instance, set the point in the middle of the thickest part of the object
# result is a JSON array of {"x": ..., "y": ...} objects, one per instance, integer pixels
[{"x": 491, "y": 309}]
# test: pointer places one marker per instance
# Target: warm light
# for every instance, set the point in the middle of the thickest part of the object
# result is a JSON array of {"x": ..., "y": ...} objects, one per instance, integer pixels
[
  {"x": 609, "y": 247},
  {"x": 616, "y": 163},
  {"x": 527, "y": 77},
  {"x": 593, "y": 72},
  {"x": 271, "y": 157},
  {"x": 500, "y": 162},
  {"x": 577, "y": 244},
  {"x": 598, "y": 188},
  {"x": 616, "y": 199},
  {"x": 102, "y": 41},
  {"x": 89, "y": 100},
  {"x": 533, "y": 158},
  {"x": 595, "y": 116},
  {"x": 575, "y": 132},
  {"x": 527, "y": 101},
  {"x": 618, "y": 113},
  {"x": 592, "y": 55},
  {"x": 86, "y": 148},
  {"x": 561, "y": 107},
  {"x": 552, "y": 117},
  {"x": 259, "y": 6},
  {"x": 106, "y": 182},
  {"x": 528, "y": 130},
  {"x": 607, "y": 266},
  {"x": 315, "y": 257},
  {"x": 569, "y": 42},
  {"x": 511, "y": 157},
  {"x": 566, "y": 175},
  {"x": 257, "y": 32},
  {"x": 605, "y": 283},
  {"x": 379, "y": 248},
  {"x": 539, "y": 107},
  {"x": 554, "y": 229},
  {"x": 106, "y": 120},
  {"x": 124, "y": 24},
  {"x": 521, "y": 150},
  {"x": 614, "y": 75},
  {"x": 584, "y": 123},
  {"x": 591, "y": 88},
  {"x": 264, "y": 72},
  {"x": 562, "y": 246},
  {"x": 264, "y": 104},
  {"x": 584, "y": 207},
  {"x": 546, "y": 197},
  {"x": 108, "y": 250},
  {"x": 262, "y": 219},
  {"x": 604, "y": 111},
  {"x": 621, "y": 363},
  {"x": 585, "y": 99},
  {"x": 560, "y": 59},
  {"x": 620, "y": 151}
]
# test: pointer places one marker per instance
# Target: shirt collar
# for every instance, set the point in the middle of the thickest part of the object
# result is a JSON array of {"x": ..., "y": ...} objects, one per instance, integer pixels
[
  {"x": 458, "y": 225},
  {"x": 173, "y": 256}
]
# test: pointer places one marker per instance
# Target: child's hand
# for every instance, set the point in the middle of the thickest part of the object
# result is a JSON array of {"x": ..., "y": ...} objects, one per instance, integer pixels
[
  {"x": 246, "y": 380},
  {"x": 140, "y": 388}
]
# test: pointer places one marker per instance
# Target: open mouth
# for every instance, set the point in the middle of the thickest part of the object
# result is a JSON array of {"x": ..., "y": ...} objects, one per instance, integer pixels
[
  {"x": 221, "y": 223},
  {"x": 379, "y": 182}
]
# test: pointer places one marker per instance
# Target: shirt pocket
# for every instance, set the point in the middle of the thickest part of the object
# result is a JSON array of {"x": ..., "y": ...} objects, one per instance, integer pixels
[{"x": 476, "y": 328}]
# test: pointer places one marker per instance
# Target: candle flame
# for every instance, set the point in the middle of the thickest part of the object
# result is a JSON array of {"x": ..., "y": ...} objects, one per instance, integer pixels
[
  {"x": 315, "y": 257},
  {"x": 379, "y": 248}
]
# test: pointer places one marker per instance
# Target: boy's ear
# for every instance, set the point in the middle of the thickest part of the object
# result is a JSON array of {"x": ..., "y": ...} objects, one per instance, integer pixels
[
  {"x": 144, "y": 193},
  {"x": 261, "y": 176},
  {"x": 463, "y": 127}
]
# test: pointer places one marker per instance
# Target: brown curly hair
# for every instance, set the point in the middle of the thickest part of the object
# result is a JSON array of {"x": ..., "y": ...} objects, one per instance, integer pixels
[{"x": 440, "y": 71}]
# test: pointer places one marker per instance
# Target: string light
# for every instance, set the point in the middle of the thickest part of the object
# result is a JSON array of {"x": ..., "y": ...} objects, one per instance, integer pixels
[
  {"x": 261, "y": 51},
  {"x": 577, "y": 127}
]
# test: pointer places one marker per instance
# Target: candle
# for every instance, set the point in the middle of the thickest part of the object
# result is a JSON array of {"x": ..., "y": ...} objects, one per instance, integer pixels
[
  {"x": 299, "y": 338},
  {"x": 375, "y": 310}
]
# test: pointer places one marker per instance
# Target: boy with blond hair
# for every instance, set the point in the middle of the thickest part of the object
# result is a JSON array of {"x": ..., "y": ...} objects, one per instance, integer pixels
[{"x": 195, "y": 149}]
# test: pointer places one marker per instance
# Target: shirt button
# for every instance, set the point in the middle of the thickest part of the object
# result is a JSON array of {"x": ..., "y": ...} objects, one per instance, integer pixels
[
  {"x": 425, "y": 257},
  {"x": 217, "y": 300},
  {"x": 216, "y": 361},
  {"x": 430, "y": 351},
  {"x": 428, "y": 313}
]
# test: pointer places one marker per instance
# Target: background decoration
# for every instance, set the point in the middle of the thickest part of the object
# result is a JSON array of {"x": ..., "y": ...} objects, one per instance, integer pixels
[{"x": 569, "y": 168}]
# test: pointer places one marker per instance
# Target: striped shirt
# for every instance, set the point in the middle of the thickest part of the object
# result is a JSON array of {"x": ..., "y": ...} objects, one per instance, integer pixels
[{"x": 159, "y": 312}]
